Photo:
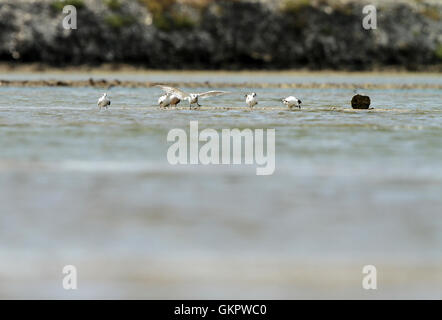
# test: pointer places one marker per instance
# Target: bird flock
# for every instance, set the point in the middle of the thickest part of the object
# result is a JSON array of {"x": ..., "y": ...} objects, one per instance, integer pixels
[{"x": 173, "y": 96}]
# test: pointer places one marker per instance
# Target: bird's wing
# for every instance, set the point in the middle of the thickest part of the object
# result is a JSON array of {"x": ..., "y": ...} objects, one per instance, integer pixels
[
  {"x": 180, "y": 94},
  {"x": 211, "y": 94}
]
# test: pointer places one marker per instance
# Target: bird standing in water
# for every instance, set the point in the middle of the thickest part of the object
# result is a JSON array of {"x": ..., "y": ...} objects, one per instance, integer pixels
[
  {"x": 103, "y": 102},
  {"x": 251, "y": 99},
  {"x": 191, "y": 97},
  {"x": 168, "y": 100},
  {"x": 291, "y": 102}
]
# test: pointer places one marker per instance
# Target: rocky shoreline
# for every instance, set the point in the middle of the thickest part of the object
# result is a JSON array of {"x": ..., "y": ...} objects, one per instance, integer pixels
[{"x": 224, "y": 34}]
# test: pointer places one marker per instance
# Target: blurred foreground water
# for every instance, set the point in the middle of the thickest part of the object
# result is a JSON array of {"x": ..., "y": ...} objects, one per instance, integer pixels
[{"x": 94, "y": 189}]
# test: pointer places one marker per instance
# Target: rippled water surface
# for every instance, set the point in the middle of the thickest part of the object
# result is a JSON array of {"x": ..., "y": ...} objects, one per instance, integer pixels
[{"x": 94, "y": 189}]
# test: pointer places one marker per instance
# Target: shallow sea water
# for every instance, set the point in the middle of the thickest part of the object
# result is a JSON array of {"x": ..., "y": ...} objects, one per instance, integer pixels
[{"x": 94, "y": 189}]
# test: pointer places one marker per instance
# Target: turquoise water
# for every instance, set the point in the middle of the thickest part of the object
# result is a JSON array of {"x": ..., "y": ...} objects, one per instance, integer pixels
[{"x": 94, "y": 189}]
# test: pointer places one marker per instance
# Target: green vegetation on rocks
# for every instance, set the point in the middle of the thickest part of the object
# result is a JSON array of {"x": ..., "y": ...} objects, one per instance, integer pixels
[
  {"x": 118, "y": 21},
  {"x": 294, "y": 6},
  {"x": 60, "y": 4},
  {"x": 166, "y": 17},
  {"x": 439, "y": 52},
  {"x": 113, "y": 5},
  {"x": 224, "y": 34}
]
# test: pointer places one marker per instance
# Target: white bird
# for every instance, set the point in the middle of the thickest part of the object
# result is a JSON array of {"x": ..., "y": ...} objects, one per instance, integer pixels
[
  {"x": 103, "y": 102},
  {"x": 191, "y": 97},
  {"x": 251, "y": 99},
  {"x": 168, "y": 100},
  {"x": 292, "y": 102}
]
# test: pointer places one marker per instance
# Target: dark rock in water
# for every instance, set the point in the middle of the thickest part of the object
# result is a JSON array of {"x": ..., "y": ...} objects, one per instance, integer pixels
[{"x": 360, "y": 102}]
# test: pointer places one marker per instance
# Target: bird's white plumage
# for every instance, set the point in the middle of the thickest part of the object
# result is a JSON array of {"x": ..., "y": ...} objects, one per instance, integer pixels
[
  {"x": 191, "y": 97},
  {"x": 251, "y": 99},
  {"x": 175, "y": 91},
  {"x": 103, "y": 102},
  {"x": 162, "y": 100},
  {"x": 168, "y": 99},
  {"x": 208, "y": 94},
  {"x": 292, "y": 101}
]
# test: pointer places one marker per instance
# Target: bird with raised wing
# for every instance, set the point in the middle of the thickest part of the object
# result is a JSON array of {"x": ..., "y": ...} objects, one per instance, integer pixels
[{"x": 191, "y": 97}]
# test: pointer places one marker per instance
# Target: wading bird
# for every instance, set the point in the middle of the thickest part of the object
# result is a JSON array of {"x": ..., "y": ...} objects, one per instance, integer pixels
[
  {"x": 292, "y": 102},
  {"x": 191, "y": 97},
  {"x": 251, "y": 99},
  {"x": 168, "y": 100},
  {"x": 103, "y": 102}
]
